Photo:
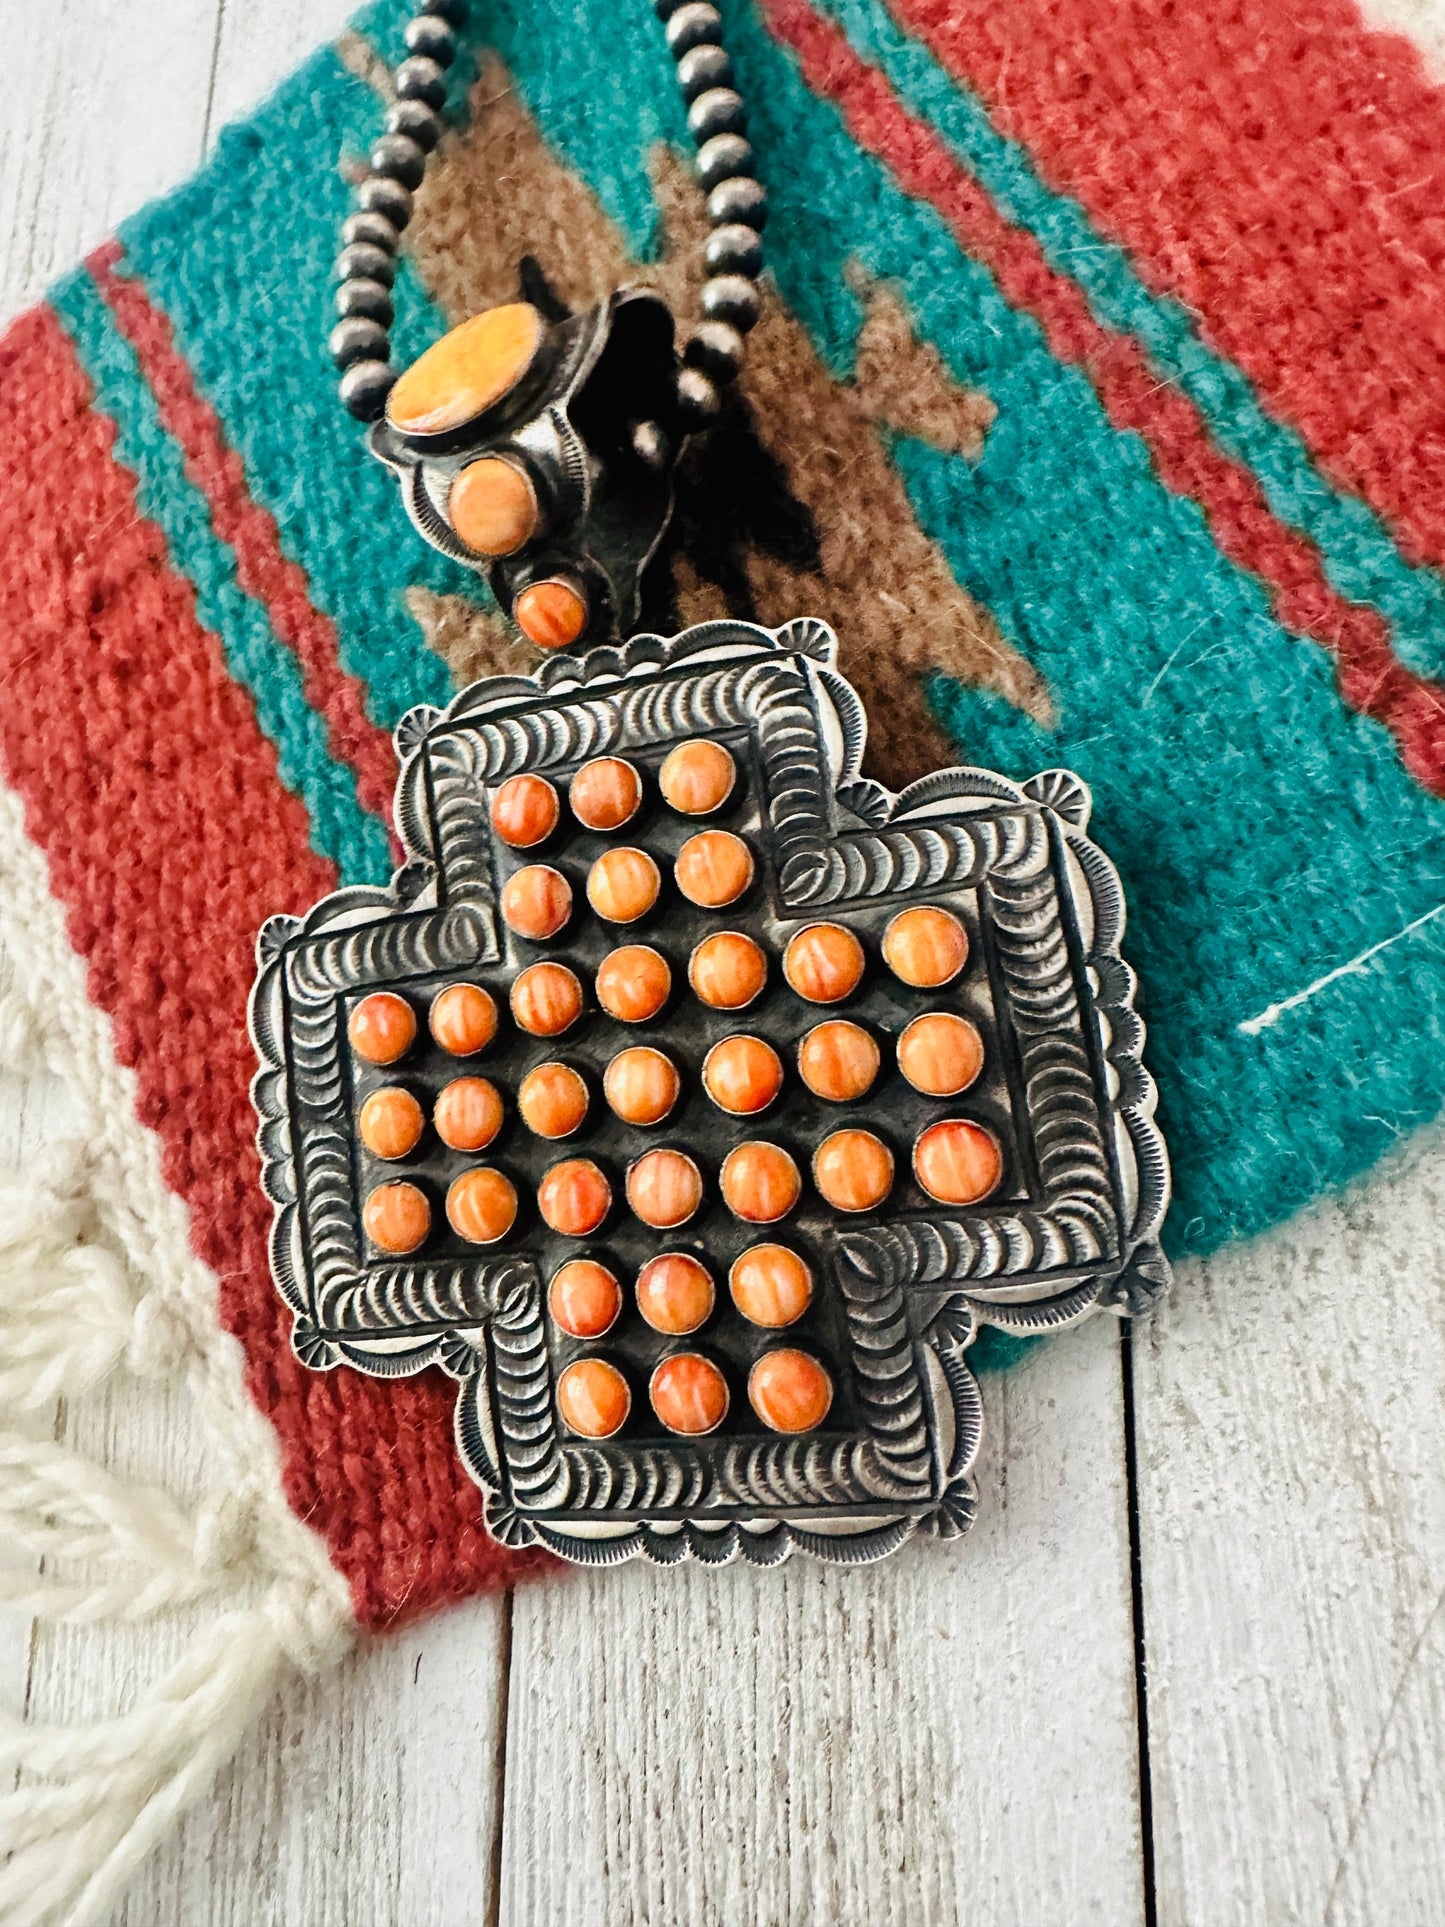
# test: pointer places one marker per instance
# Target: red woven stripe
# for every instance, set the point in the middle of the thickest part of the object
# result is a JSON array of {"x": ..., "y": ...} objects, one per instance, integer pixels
[
  {"x": 262, "y": 569},
  {"x": 1279, "y": 148},
  {"x": 170, "y": 837},
  {"x": 1372, "y": 681}
]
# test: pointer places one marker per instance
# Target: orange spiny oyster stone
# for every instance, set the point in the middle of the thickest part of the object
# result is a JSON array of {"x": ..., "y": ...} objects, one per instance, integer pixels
[
  {"x": 396, "y": 1218},
  {"x": 838, "y": 1061},
  {"x": 759, "y": 1182},
  {"x": 605, "y": 793},
  {"x": 664, "y": 1188},
  {"x": 697, "y": 777},
  {"x": 727, "y": 971},
  {"x": 853, "y": 1170},
  {"x": 957, "y": 1162},
  {"x": 593, "y": 1398},
  {"x": 633, "y": 983},
  {"x": 493, "y": 506},
  {"x": 742, "y": 1075},
  {"x": 789, "y": 1390},
  {"x": 463, "y": 1019},
  {"x": 622, "y": 885},
  {"x": 675, "y": 1293},
  {"x": 689, "y": 1394},
  {"x": 940, "y": 1054},
  {"x": 525, "y": 811},
  {"x": 552, "y": 613},
  {"x": 546, "y": 999},
  {"x": 713, "y": 868},
  {"x": 468, "y": 1114},
  {"x": 574, "y": 1197},
  {"x": 390, "y": 1123},
  {"x": 482, "y": 1205},
  {"x": 584, "y": 1298},
  {"x": 470, "y": 368},
  {"x": 382, "y": 1027},
  {"x": 536, "y": 901},
  {"x": 925, "y": 946},
  {"x": 641, "y": 1085},
  {"x": 824, "y": 963},
  {"x": 552, "y": 1100},
  {"x": 771, "y": 1285}
]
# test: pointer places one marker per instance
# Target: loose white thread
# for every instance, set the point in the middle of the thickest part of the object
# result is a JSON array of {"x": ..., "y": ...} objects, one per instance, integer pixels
[{"x": 1272, "y": 1013}]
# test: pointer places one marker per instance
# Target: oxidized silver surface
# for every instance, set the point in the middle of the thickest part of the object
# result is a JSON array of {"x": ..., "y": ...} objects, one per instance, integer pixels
[{"x": 900, "y": 1295}]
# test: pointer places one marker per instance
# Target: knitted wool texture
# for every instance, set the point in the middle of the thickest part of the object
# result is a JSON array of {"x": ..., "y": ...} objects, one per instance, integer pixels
[{"x": 1100, "y": 406}]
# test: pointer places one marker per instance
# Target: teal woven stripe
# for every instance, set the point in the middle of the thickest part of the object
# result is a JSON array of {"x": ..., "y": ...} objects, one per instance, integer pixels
[
  {"x": 340, "y": 828},
  {"x": 1360, "y": 555}
]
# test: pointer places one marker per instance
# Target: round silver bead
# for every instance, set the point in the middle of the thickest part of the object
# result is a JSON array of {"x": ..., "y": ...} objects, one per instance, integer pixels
[
  {"x": 734, "y": 249},
  {"x": 368, "y": 225},
  {"x": 697, "y": 398},
  {"x": 421, "y": 79},
  {"x": 416, "y": 121},
  {"x": 363, "y": 261},
  {"x": 724, "y": 156},
  {"x": 702, "y": 68},
  {"x": 692, "y": 26},
  {"x": 738, "y": 201},
  {"x": 366, "y": 297},
  {"x": 732, "y": 298},
  {"x": 401, "y": 158},
  {"x": 431, "y": 36},
  {"x": 364, "y": 389},
  {"x": 358, "y": 339},
  {"x": 716, "y": 348},
  {"x": 719, "y": 111},
  {"x": 386, "y": 196}
]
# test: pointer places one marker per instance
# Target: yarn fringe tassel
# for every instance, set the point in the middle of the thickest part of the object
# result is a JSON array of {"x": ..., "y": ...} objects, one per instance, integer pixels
[{"x": 97, "y": 1279}]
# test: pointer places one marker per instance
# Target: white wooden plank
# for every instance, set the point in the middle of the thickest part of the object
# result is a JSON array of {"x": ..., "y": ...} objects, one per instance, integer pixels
[
  {"x": 947, "y": 1736},
  {"x": 260, "y": 41}
]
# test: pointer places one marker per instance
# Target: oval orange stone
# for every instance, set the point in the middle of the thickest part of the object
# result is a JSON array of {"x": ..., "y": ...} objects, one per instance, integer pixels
[
  {"x": 472, "y": 366},
  {"x": 382, "y": 1027},
  {"x": 742, "y": 1075},
  {"x": 584, "y": 1298},
  {"x": 641, "y": 1085},
  {"x": 675, "y": 1293},
  {"x": 493, "y": 506},
  {"x": 537, "y": 901},
  {"x": 605, "y": 793},
  {"x": 713, "y": 868},
  {"x": 552, "y": 1100},
  {"x": 824, "y": 963},
  {"x": 546, "y": 999},
  {"x": 593, "y": 1398},
  {"x": 622, "y": 885},
  {"x": 390, "y": 1123},
  {"x": 633, "y": 983},
  {"x": 957, "y": 1162},
  {"x": 925, "y": 947},
  {"x": 463, "y": 1019},
  {"x": 697, "y": 777},
  {"x": 728, "y": 970},
  {"x": 468, "y": 1114},
  {"x": 574, "y": 1197},
  {"x": 759, "y": 1182},
  {"x": 940, "y": 1054},
  {"x": 689, "y": 1394},
  {"x": 771, "y": 1285},
  {"x": 552, "y": 613},
  {"x": 396, "y": 1218},
  {"x": 853, "y": 1170},
  {"x": 664, "y": 1188},
  {"x": 482, "y": 1205},
  {"x": 838, "y": 1061},
  {"x": 525, "y": 811},
  {"x": 789, "y": 1390}
]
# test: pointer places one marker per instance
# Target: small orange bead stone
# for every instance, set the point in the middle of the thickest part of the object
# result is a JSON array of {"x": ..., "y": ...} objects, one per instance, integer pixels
[
  {"x": 759, "y": 1183},
  {"x": 689, "y": 1394},
  {"x": 525, "y": 811},
  {"x": 537, "y": 901},
  {"x": 552, "y": 1100},
  {"x": 742, "y": 1075},
  {"x": 593, "y": 1398},
  {"x": 463, "y": 1019},
  {"x": 675, "y": 1293},
  {"x": 584, "y": 1298},
  {"x": 697, "y": 777},
  {"x": 727, "y": 971},
  {"x": 789, "y": 1390},
  {"x": 552, "y": 613},
  {"x": 824, "y": 963},
  {"x": 574, "y": 1197},
  {"x": 641, "y": 1085},
  {"x": 472, "y": 366},
  {"x": 390, "y": 1123},
  {"x": 633, "y": 983},
  {"x": 838, "y": 1061},
  {"x": 664, "y": 1188},
  {"x": 396, "y": 1218},
  {"x": 957, "y": 1162},
  {"x": 468, "y": 1114},
  {"x": 771, "y": 1285},
  {"x": 925, "y": 947},
  {"x": 493, "y": 506},
  {"x": 546, "y": 999},
  {"x": 382, "y": 1028},
  {"x": 482, "y": 1205},
  {"x": 853, "y": 1170},
  {"x": 605, "y": 794},
  {"x": 623, "y": 885},
  {"x": 713, "y": 868},
  {"x": 940, "y": 1054}
]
